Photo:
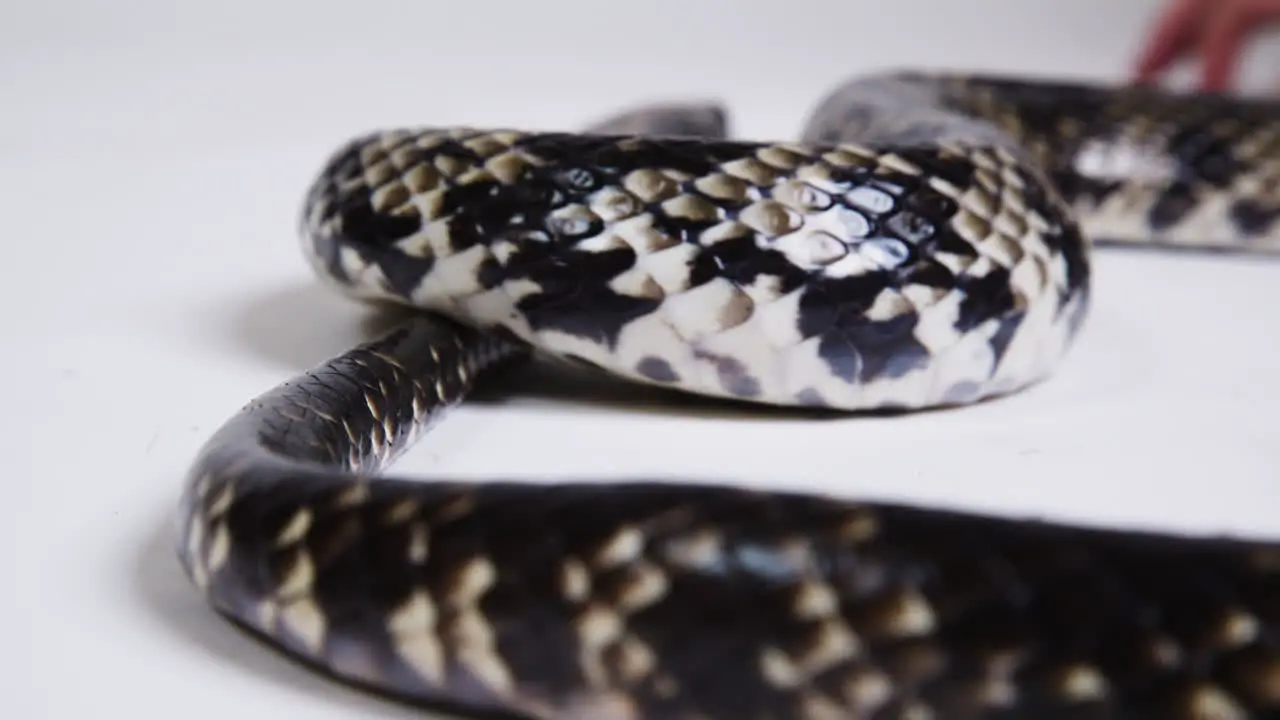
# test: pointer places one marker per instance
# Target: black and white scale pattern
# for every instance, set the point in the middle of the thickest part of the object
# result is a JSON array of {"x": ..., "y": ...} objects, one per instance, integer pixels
[
  {"x": 925, "y": 242},
  {"x": 843, "y": 276}
]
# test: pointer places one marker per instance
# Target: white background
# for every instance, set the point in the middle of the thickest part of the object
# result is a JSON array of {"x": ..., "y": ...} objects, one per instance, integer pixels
[{"x": 152, "y": 159}]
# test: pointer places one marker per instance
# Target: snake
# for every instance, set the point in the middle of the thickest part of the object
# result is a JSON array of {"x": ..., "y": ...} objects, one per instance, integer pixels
[{"x": 924, "y": 244}]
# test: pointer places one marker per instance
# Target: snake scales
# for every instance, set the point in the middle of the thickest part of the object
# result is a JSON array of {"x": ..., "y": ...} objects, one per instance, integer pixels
[{"x": 925, "y": 243}]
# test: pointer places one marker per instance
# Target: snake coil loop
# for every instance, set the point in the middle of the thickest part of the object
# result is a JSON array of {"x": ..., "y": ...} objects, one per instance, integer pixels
[{"x": 926, "y": 242}]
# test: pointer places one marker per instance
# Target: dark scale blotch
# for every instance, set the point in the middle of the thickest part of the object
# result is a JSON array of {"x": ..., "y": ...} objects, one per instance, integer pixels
[
  {"x": 562, "y": 272},
  {"x": 952, "y": 243},
  {"x": 1006, "y": 328},
  {"x": 458, "y": 198},
  {"x": 1204, "y": 156},
  {"x": 1253, "y": 218},
  {"x": 540, "y": 644},
  {"x": 576, "y": 298},
  {"x": 657, "y": 369},
  {"x": 871, "y": 350},
  {"x": 327, "y": 248},
  {"x": 617, "y": 157},
  {"x": 404, "y": 272},
  {"x": 709, "y": 631},
  {"x": 454, "y": 149},
  {"x": 930, "y": 272},
  {"x": 250, "y": 567},
  {"x": 682, "y": 230},
  {"x": 490, "y": 273},
  {"x": 364, "y": 229},
  {"x": 829, "y": 302},
  {"x": 525, "y": 605},
  {"x": 360, "y": 577},
  {"x": 367, "y": 560},
  {"x": 1076, "y": 187},
  {"x": 742, "y": 261},
  {"x": 954, "y": 169},
  {"x": 985, "y": 297},
  {"x": 962, "y": 392},
  {"x": 1172, "y": 206},
  {"x": 855, "y": 348},
  {"x": 534, "y": 191},
  {"x": 855, "y": 176},
  {"x": 810, "y": 397},
  {"x": 734, "y": 377},
  {"x": 923, "y": 221},
  {"x": 480, "y": 211},
  {"x": 933, "y": 204},
  {"x": 1069, "y": 240},
  {"x": 1076, "y": 313},
  {"x": 842, "y": 356}
]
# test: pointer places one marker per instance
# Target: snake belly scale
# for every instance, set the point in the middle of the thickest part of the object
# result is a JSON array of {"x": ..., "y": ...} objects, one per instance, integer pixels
[{"x": 925, "y": 243}]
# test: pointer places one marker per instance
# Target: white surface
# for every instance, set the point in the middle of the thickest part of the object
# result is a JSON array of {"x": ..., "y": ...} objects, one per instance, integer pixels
[{"x": 152, "y": 157}]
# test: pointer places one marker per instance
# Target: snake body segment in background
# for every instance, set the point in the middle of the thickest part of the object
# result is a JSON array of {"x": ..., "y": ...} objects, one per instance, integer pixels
[{"x": 925, "y": 243}]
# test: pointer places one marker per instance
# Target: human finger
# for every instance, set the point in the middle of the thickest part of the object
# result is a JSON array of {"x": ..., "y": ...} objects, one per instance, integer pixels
[
  {"x": 1221, "y": 46},
  {"x": 1173, "y": 36}
]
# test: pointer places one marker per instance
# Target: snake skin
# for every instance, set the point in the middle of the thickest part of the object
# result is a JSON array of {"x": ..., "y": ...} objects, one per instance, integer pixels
[{"x": 926, "y": 242}]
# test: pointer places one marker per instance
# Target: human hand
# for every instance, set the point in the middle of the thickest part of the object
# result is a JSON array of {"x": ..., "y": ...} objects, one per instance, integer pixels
[{"x": 1214, "y": 32}]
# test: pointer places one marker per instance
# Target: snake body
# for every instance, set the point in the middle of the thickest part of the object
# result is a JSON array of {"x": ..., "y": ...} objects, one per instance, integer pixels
[{"x": 925, "y": 243}]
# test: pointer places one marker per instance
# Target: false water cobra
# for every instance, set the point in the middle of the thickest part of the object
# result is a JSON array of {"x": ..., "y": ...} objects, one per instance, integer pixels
[{"x": 925, "y": 243}]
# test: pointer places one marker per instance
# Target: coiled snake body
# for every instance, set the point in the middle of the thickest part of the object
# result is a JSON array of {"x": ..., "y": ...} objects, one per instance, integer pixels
[{"x": 925, "y": 243}]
